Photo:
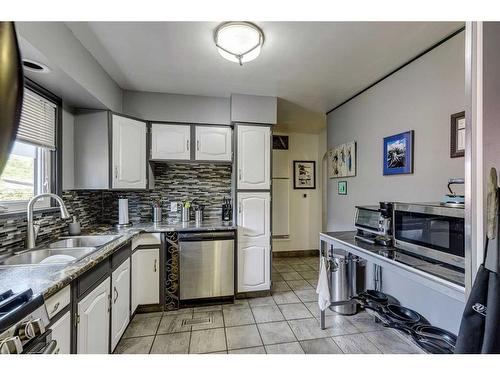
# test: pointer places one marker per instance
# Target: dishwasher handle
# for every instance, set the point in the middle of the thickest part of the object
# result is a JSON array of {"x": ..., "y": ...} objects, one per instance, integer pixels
[{"x": 206, "y": 236}]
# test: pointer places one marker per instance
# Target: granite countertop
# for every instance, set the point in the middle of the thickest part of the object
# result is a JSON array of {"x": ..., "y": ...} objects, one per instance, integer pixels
[
  {"x": 440, "y": 270},
  {"x": 50, "y": 278}
]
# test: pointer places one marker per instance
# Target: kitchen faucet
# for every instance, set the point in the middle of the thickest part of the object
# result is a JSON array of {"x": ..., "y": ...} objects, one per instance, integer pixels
[{"x": 34, "y": 228}]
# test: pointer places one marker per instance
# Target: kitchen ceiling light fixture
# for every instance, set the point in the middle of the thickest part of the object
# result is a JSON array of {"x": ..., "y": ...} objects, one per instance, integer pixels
[{"x": 239, "y": 42}]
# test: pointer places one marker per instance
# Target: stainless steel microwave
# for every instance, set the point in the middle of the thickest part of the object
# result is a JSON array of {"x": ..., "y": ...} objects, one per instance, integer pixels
[{"x": 430, "y": 230}]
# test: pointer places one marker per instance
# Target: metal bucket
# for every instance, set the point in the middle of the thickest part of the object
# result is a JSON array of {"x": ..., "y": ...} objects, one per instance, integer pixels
[{"x": 343, "y": 281}]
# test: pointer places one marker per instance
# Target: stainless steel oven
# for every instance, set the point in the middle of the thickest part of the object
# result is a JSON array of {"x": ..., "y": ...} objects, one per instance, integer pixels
[
  {"x": 431, "y": 230},
  {"x": 206, "y": 264}
]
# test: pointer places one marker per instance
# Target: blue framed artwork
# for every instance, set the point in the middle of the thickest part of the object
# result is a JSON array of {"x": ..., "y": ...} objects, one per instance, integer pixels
[{"x": 398, "y": 153}]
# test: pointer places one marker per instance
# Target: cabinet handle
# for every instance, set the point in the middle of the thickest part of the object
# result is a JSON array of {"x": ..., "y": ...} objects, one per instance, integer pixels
[
  {"x": 239, "y": 174},
  {"x": 155, "y": 265},
  {"x": 187, "y": 145},
  {"x": 116, "y": 172},
  {"x": 240, "y": 208},
  {"x": 116, "y": 294},
  {"x": 197, "y": 145},
  {"x": 109, "y": 302},
  {"x": 56, "y": 306}
]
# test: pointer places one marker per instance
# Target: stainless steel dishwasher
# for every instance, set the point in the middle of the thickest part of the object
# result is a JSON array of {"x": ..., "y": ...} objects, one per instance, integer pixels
[{"x": 206, "y": 264}]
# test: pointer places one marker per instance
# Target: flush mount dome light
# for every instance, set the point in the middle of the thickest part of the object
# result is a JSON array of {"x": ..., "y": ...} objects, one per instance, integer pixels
[
  {"x": 239, "y": 42},
  {"x": 35, "y": 66}
]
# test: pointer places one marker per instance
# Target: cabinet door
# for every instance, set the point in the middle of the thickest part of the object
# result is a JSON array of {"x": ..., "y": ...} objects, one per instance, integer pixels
[
  {"x": 145, "y": 277},
  {"x": 254, "y": 267},
  {"x": 129, "y": 153},
  {"x": 254, "y": 157},
  {"x": 120, "y": 308},
  {"x": 213, "y": 143},
  {"x": 170, "y": 142},
  {"x": 254, "y": 216},
  {"x": 93, "y": 316},
  {"x": 61, "y": 332}
]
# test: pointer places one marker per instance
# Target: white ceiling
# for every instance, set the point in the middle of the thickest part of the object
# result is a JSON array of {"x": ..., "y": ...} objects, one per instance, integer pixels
[{"x": 316, "y": 65}]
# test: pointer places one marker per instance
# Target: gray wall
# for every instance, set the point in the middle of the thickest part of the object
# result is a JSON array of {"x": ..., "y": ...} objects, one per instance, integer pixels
[
  {"x": 68, "y": 150},
  {"x": 177, "y": 108},
  {"x": 422, "y": 96},
  {"x": 63, "y": 50}
]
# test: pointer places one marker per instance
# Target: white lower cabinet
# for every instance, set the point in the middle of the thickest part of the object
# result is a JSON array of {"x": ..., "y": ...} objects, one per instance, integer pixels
[
  {"x": 254, "y": 267},
  {"x": 120, "y": 307},
  {"x": 93, "y": 320},
  {"x": 61, "y": 332},
  {"x": 145, "y": 277}
]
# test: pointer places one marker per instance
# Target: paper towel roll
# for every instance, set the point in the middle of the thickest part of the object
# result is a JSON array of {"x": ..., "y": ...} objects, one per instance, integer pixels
[{"x": 123, "y": 211}]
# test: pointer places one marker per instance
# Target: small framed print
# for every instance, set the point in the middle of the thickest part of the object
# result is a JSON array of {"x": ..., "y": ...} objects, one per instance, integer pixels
[
  {"x": 457, "y": 144},
  {"x": 304, "y": 174},
  {"x": 342, "y": 187}
]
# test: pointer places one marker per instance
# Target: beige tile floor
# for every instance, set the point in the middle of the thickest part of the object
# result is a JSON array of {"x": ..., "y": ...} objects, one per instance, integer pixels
[{"x": 285, "y": 323}]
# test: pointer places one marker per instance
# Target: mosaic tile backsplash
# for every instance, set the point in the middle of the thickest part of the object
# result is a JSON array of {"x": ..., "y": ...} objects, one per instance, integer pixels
[
  {"x": 205, "y": 183},
  {"x": 85, "y": 205}
]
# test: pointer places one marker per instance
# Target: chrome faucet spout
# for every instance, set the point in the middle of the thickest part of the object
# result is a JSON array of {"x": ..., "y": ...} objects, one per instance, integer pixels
[{"x": 32, "y": 229}]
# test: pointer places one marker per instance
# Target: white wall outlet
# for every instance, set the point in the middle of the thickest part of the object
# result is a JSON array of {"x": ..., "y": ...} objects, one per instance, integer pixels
[{"x": 173, "y": 206}]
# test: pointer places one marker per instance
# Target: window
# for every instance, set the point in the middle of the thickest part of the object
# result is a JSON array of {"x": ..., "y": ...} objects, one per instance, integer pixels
[{"x": 29, "y": 169}]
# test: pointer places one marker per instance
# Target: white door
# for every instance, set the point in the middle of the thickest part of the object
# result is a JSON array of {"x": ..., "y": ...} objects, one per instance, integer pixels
[
  {"x": 254, "y": 157},
  {"x": 254, "y": 217},
  {"x": 120, "y": 307},
  {"x": 93, "y": 326},
  {"x": 129, "y": 153},
  {"x": 213, "y": 143},
  {"x": 170, "y": 142},
  {"x": 61, "y": 332},
  {"x": 254, "y": 267},
  {"x": 145, "y": 277}
]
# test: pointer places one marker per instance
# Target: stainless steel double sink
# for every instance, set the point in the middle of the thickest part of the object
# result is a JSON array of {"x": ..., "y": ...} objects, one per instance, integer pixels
[{"x": 63, "y": 251}]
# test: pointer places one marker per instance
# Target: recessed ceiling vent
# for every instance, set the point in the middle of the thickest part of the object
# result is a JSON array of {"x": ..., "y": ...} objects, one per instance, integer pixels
[{"x": 35, "y": 66}]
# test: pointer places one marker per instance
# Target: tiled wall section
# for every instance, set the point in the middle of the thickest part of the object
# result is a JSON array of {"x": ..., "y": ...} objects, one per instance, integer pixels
[
  {"x": 86, "y": 205},
  {"x": 206, "y": 183}
]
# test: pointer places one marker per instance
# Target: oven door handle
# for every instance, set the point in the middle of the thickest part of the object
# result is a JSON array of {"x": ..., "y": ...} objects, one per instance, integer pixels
[{"x": 50, "y": 348}]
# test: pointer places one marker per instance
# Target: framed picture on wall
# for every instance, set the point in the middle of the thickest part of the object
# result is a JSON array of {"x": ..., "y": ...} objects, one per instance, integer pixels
[
  {"x": 457, "y": 140},
  {"x": 342, "y": 160},
  {"x": 304, "y": 174},
  {"x": 398, "y": 153},
  {"x": 342, "y": 188}
]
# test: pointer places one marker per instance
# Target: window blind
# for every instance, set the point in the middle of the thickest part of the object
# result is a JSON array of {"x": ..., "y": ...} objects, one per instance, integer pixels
[{"x": 38, "y": 121}]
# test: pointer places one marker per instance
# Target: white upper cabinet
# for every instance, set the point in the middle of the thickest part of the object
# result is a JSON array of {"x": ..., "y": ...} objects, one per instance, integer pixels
[
  {"x": 254, "y": 217},
  {"x": 128, "y": 153},
  {"x": 213, "y": 143},
  {"x": 120, "y": 308},
  {"x": 254, "y": 157},
  {"x": 170, "y": 142}
]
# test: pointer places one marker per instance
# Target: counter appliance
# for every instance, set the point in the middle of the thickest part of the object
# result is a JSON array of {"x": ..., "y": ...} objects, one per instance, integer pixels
[{"x": 374, "y": 223}]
